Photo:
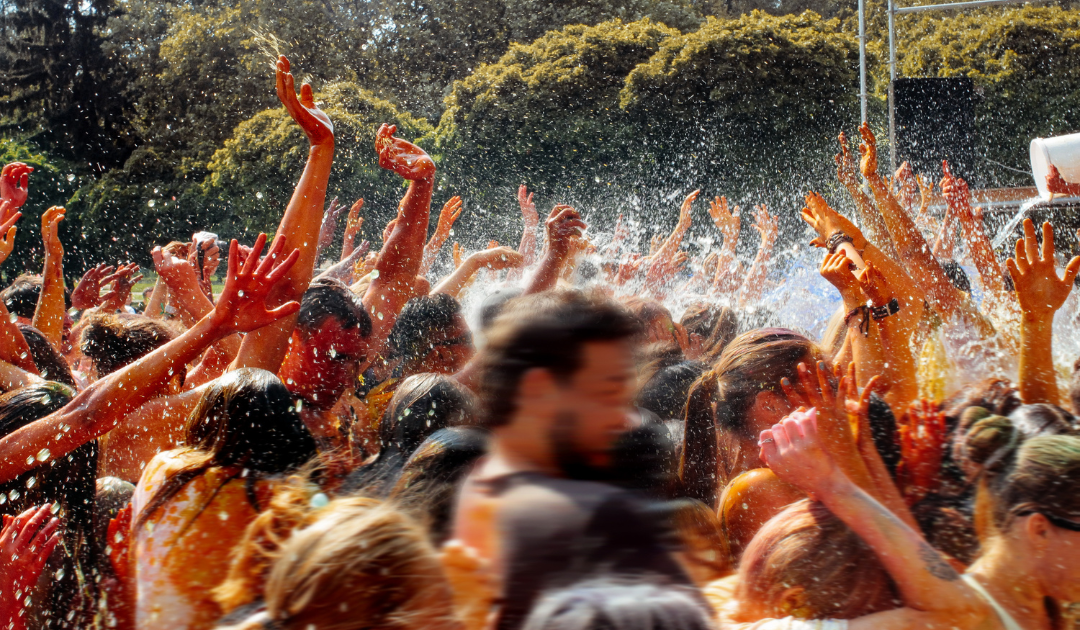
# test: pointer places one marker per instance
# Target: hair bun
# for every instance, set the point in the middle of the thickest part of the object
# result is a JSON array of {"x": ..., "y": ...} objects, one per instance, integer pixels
[{"x": 990, "y": 441}]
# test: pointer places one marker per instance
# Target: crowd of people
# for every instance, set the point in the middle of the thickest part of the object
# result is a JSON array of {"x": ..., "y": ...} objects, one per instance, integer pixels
[{"x": 340, "y": 445}]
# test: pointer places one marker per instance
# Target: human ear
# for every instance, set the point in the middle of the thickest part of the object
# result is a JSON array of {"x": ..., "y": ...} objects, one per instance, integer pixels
[
  {"x": 793, "y": 602},
  {"x": 1037, "y": 532}
]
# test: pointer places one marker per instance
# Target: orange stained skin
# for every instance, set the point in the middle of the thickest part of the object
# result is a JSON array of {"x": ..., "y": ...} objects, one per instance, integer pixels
[
  {"x": 183, "y": 551},
  {"x": 748, "y": 502}
]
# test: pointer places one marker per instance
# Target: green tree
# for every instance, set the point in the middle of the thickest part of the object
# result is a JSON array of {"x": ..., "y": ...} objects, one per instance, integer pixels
[{"x": 56, "y": 82}]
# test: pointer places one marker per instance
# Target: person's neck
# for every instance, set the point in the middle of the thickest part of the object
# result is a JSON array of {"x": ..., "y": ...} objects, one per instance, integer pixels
[
  {"x": 1006, "y": 573},
  {"x": 513, "y": 450}
]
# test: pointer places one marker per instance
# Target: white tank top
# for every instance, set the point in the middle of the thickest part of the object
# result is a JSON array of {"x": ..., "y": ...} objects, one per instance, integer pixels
[{"x": 1006, "y": 619}]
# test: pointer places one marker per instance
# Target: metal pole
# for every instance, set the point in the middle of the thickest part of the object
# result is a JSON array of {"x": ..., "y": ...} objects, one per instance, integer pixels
[
  {"x": 892, "y": 81},
  {"x": 953, "y": 6},
  {"x": 862, "y": 58}
]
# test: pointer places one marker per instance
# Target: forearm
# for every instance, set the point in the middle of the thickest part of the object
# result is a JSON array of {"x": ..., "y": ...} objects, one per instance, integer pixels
[
  {"x": 348, "y": 246},
  {"x": 159, "y": 297},
  {"x": 431, "y": 251},
  {"x": 12, "y": 377},
  {"x": 100, "y": 407},
  {"x": 265, "y": 348},
  {"x": 944, "y": 244},
  {"x": 547, "y": 274},
  {"x": 456, "y": 281},
  {"x": 672, "y": 243},
  {"x": 754, "y": 284},
  {"x": 402, "y": 254},
  {"x": 527, "y": 246},
  {"x": 49, "y": 314},
  {"x": 982, "y": 252},
  {"x": 13, "y": 346},
  {"x": 872, "y": 221},
  {"x": 1038, "y": 379},
  {"x": 900, "y": 368},
  {"x": 925, "y": 580},
  {"x": 912, "y": 248}
]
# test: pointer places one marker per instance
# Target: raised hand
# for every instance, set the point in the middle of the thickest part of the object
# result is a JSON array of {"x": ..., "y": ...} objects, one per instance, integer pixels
[
  {"x": 727, "y": 222},
  {"x": 847, "y": 169},
  {"x": 868, "y": 165},
  {"x": 7, "y": 235},
  {"x": 316, "y": 124},
  {"x": 923, "y": 435},
  {"x": 354, "y": 222},
  {"x": 451, "y": 210},
  {"x": 837, "y": 269},
  {"x": 873, "y": 285},
  {"x": 905, "y": 186},
  {"x": 175, "y": 271},
  {"x": 1038, "y": 288},
  {"x": 956, "y": 193},
  {"x": 87, "y": 293},
  {"x": 26, "y": 542},
  {"x": 528, "y": 208},
  {"x": 459, "y": 254},
  {"x": 793, "y": 450},
  {"x": 767, "y": 225},
  {"x": 708, "y": 266},
  {"x": 827, "y": 222},
  {"x": 497, "y": 258},
  {"x": 401, "y": 156},
  {"x": 329, "y": 223},
  {"x": 242, "y": 304},
  {"x": 563, "y": 224},
  {"x": 123, "y": 281},
  {"x": 14, "y": 184},
  {"x": 685, "y": 216},
  {"x": 50, "y": 224}
]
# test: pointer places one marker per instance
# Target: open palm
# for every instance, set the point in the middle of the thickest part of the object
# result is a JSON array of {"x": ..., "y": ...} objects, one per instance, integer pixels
[{"x": 242, "y": 304}]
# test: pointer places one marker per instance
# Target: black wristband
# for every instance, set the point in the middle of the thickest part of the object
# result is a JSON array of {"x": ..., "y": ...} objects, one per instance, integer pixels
[
  {"x": 836, "y": 239},
  {"x": 885, "y": 310}
]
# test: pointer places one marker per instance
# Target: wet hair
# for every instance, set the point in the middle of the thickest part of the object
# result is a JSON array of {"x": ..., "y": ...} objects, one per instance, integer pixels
[
  {"x": 423, "y": 317},
  {"x": 647, "y": 311},
  {"x": 327, "y": 298},
  {"x": 546, "y": 331},
  {"x": 753, "y": 362},
  {"x": 620, "y": 604},
  {"x": 665, "y": 392},
  {"x": 427, "y": 486},
  {"x": 807, "y": 546},
  {"x": 69, "y": 482},
  {"x": 997, "y": 396},
  {"x": 290, "y": 509},
  {"x": 114, "y": 341},
  {"x": 956, "y": 275},
  {"x": 246, "y": 418},
  {"x": 50, "y": 363},
  {"x": 422, "y": 404},
  {"x": 884, "y": 433},
  {"x": 644, "y": 459},
  {"x": 1074, "y": 388},
  {"x": 1024, "y": 475},
  {"x": 363, "y": 564},
  {"x": 717, "y": 326},
  {"x": 21, "y": 296},
  {"x": 494, "y": 303}
]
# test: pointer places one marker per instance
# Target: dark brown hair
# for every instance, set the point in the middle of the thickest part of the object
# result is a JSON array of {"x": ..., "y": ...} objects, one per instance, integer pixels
[
  {"x": 753, "y": 362},
  {"x": 546, "y": 331},
  {"x": 113, "y": 341},
  {"x": 50, "y": 363}
]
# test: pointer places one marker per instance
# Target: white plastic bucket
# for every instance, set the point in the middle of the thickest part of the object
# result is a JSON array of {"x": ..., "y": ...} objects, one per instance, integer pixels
[{"x": 1061, "y": 151}]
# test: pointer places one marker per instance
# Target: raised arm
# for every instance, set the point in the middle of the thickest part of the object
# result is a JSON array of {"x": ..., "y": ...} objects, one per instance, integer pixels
[
  {"x": 328, "y": 227},
  {"x": 727, "y": 265},
  {"x": 451, "y": 210},
  {"x": 97, "y": 409},
  {"x": 847, "y": 171},
  {"x": 911, "y": 247},
  {"x": 958, "y": 197},
  {"x": 894, "y": 330},
  {"x": 662, "y": 257},
  {"x": 352, "y": 228},
  {"x": 50, "y": 311},
  {"x": 1040, "y": 293},
  {"x": 495, "y": 259},
  {"x": 14, "y": 185},
  {"x": 768, "y": 227},
  {"x": 13, "y": 347},
  {"x": 563, "y": 224},
  {"x": 402, "y": 253},
  {"x": 531, "y": 219},
  {"x": 299, "y": 226},
  {"x": 932, "y": 592}
]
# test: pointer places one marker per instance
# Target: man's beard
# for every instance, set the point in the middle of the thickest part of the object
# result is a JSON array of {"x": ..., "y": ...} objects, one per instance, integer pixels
[{"x": 572, "y": 462}]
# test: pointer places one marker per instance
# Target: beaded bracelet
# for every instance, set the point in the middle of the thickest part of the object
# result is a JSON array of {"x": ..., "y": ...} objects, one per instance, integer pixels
[{"x": 835, "y": 240}]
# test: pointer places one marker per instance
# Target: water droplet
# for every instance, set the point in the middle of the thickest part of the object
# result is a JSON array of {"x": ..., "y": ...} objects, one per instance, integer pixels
[
  {"x": 380, "y": 316},
  {"x": 374, "y": 274},
  {"x": 333, "y": 353},
  {"x": 14, "y": 494},
  {"x": 240, "y": 293},
  {"x": 60, "y": 573},
  {"x": 319, "y": 500},
  {"x": 43, "y": 455},
  {"x": 31, "y": 482},
  {"x": 54, "y": 508},
  {"x": 299, "y": 405},
  {"x": 30, "y": 460},
  {"x": 258, "y": 195},
  {"x": 71, "y": 177},
  {"x": 408, "y": 412},
  {"x": 151, "y": 203}
]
